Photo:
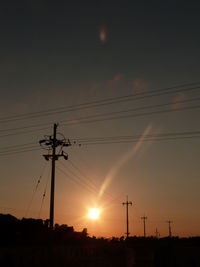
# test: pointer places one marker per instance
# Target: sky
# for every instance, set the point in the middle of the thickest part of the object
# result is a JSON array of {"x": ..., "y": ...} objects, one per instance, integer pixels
[{"x": 135, "y": 62}]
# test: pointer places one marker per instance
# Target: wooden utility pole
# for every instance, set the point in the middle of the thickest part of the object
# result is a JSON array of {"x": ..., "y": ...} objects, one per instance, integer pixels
[
  {"x": 170, "y": 229},
  {"x": 51, "y": 143},
  {"x": 144, "y": 218},
  {"x": 127, "y": 203}
]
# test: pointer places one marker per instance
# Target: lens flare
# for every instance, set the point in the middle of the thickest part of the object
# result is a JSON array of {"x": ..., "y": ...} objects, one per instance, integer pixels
[
  {"x": 122, "y": 161},
  {"x": 102, "y": 35}
]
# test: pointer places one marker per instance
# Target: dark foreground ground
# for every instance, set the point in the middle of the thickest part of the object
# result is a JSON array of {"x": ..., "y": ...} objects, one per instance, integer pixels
[
  {"x": 29, "y": 243},
  {"x": 134, "y": 252}
]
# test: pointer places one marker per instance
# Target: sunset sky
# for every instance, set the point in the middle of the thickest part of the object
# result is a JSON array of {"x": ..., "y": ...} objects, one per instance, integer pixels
[{"x": 135, "y": 62}]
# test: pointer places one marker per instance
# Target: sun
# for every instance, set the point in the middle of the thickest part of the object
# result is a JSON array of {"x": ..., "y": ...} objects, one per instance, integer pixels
[{"x": 94, "y": 213}]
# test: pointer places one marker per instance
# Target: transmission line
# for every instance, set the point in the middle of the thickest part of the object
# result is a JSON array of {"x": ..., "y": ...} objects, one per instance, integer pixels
[
  {"x": 89, "y": 181},
  {"x": 106, "y": 140},
  {"x": 44, "y": 194},
  {"x": 156, "y": 135},
  {"x": 12, "y": 153},
  {"x": 35, "y": 190},
  {"x": 103, "y": 117},
  {"x": 76, "y": 179},
  {"x": 105, "y": 101},
  {"x": 90, "y": 119}
]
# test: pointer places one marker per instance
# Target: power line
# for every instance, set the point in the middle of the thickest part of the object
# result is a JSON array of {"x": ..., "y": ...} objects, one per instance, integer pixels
[
  {"x": 24, "y": 132},
  {"x": 82, "y": 174},
  {"x": 19, "y": 152},
  {"x": 156, "y": 135},
  {"x": 83, "y": 182},
  {"x": 105, "y": 140},
  {"x": 80, "y": 181},
  {"x": 145, "y": 139},
  {"x": 18, "y": 149},
  {"x": 35, "y": 190},
  {"x": 76, "y": 179},
  {"x": 90, "y": 119},
  {"x": 44, "y": 194},
  {"x": 107, "y": 101},
  {"x": 28, "y": 147},
  {"x": 17, "y": 146},
  {"x": 141, "y": 108},
  {"x": 105, "y": 116},
  {"x": 134, "y": 138},
  {"x": 86, "y": 179}
]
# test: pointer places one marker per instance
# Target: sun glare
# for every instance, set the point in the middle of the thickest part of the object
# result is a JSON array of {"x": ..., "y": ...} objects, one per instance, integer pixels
[{"x": 93, "y": 213}]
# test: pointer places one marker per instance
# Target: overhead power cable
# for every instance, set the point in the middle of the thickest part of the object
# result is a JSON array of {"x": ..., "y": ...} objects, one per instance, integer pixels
[
  {"x": 86, "y": 179},
  {"x": 127, "y": 137},
  {"x": 106, "y": 114},
  {"x": 76, "y": 179},
  {"x": 35, "y": 190},
  {"x": 44, "y": 194},
  {"x": 105, "y": 101},
  {"x": 19, "y": 146},
  {"x": 12, "y": 153},
  {"x": 109, "y": 140},
  {"x": 136, "y": 140},
  {"x": 107, "y": 117},
  {"x": 24, "y": 132},
  {"x": 19, "y": 149},
  {"x": 80, "y": 181},
  {"x": 86, "y": 119}
]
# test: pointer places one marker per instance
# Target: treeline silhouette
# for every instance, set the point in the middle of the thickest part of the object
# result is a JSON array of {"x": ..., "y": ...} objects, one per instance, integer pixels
[
  {"x": 36, "y": 231},
  {"x": 29, "y": 242}
]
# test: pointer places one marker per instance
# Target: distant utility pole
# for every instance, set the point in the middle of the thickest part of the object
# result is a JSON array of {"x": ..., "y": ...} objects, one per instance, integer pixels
[
  {"x": 157, "y": 233},
  {"x": 144, "y": 218},
  {"x": 127, "y": 203},
  {"x": 170, "y": 229},
  {"x": 50, "y": 143}
]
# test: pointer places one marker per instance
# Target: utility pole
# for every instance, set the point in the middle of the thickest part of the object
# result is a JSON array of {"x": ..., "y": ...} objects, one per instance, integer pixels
[
  {"x": 127, "y": 203},
  {"x": 170, "y": 229},
  {"x": 50, "y": 143},
  {"x": 157, "y": 233},
  {"x": 144, "y": 218}
]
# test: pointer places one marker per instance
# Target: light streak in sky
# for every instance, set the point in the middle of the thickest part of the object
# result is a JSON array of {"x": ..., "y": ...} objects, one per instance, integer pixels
[{"x": 123, "y": 160}]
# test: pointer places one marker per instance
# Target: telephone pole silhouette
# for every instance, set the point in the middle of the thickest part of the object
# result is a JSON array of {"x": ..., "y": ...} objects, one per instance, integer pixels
[
  {"x": 50, "y": 143},
  {"x": 127, "y": 203},
  {"x": 170, "y": 229},
  {"x": 144, "y": 218},
  {"x": 157, "y": 233}
]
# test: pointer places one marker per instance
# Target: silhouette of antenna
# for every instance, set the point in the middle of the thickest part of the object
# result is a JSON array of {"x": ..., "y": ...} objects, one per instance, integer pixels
[
  {"x": 127, "y": 203},
  {"x": 144, "y": 218},
  {"x": 51, "y": 143},
  {"x": 170, "y": 229}
]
